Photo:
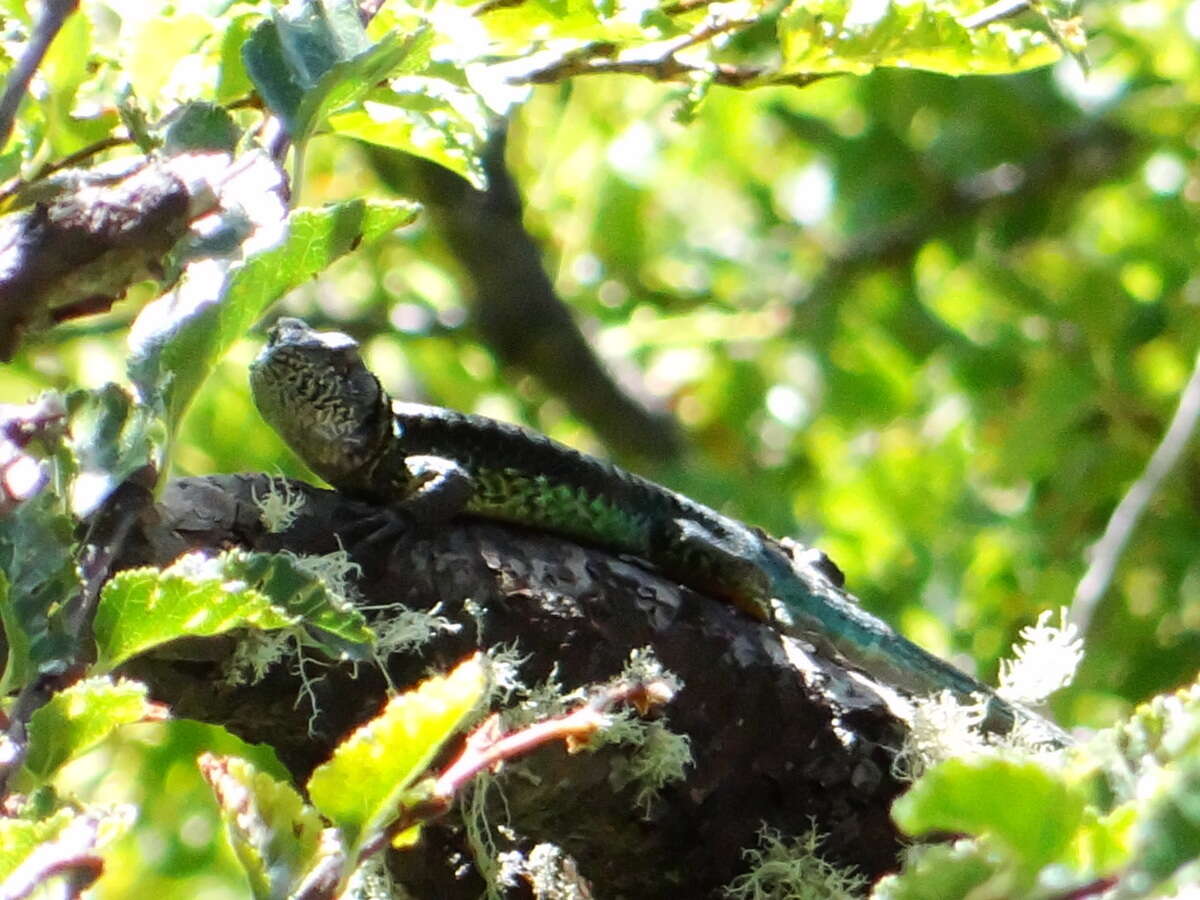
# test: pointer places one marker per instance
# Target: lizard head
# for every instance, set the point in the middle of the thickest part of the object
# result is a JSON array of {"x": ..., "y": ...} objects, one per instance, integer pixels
[{"x": 314, "y": 389}]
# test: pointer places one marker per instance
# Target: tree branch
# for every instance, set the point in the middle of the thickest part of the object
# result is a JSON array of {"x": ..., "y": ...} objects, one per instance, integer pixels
[
  {"x": 1106, "y": 552},
  {"x": 49, "y": 23},
  {"x": 768, "y": 719},
  {"x": 519, "y": 315}
]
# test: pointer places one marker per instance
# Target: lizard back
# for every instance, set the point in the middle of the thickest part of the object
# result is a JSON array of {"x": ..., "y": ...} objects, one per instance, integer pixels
[{"x": 524, "y": 477}]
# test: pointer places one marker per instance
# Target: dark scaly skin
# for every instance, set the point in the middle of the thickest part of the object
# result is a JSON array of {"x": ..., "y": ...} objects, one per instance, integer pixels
[{"x": 314, "y": 389}]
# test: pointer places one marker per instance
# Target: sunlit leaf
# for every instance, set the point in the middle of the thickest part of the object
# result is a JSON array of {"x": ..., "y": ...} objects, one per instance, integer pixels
[
  {"x": 201, "y": 597},
  {"x": 945, "y": 872},
  {"x": 845, "y": 36},
  {"x": 158, "y": 47},
  {"x": 142, "y": 608},
  {"x": 1031, "y": 810},
  {"x": 20, "y": 837},
  {"x": 179, "y": 343},
  {"x": 275, "y": 835},
  {"x": 77, "y": 718},
  {"x": 370, "y": 774},
  {"x": 112, "y": 436}
]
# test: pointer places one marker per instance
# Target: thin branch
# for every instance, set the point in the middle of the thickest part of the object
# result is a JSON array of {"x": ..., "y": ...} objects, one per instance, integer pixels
[
  {"x": 709, "y": 29},
  {"x": 671, "y": 69},
  {"x": 54, "y": 14},
  {"x": 684, "y": 6},
  {"x": 71, "y": 855},
  {"x": 1106, "y": 552},
  {"x": 519, "y": 314},
  {"x": 16, "y": 185},
  {"x": 369, "y": 9},
  {"x": 658, "y": 61},
  {"x": 105, "y": 540},
  {"x": 1003, "y": 9},
  {"x": 491, "y": 5},
  {"x": 485, "y": 748}
]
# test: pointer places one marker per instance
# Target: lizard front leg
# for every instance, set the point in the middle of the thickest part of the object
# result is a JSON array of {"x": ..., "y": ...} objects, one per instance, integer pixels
[
  {"x": 433, "y": 489},
  {"x": 437, "y": 489}
]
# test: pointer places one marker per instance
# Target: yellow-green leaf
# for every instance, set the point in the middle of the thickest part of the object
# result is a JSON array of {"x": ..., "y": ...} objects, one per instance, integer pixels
[{"x": 362, "y": 785}]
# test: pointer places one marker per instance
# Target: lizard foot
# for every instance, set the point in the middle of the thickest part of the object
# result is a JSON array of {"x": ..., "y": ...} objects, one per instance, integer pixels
[{"x": 376, "y": 530}]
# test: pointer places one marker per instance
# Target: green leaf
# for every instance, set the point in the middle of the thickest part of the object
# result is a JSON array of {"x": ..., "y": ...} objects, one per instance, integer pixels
[
  {"x": 37, "y": 554},
  {"x": 1169, "y": 831},
  {"x": 580, "y": 21},
  {"x": 201, "y": 125},
  {"x": 293, "y": 587},
  {"x": 819, "y": 36},
  {"x": 111, "y": 437},
  {"x": 20, "y": 837},
  {"x": 137, "y": 122},
  {"x": 18, "y": 665},
  {"x": 1104, "y": 844},
  {"x": 179, "y": 344},
  {"x": 65, "y": 68},
  {"x": 1030, "y": 810},
  {"x": 274, "y": 834},
  {"x": 347, "y": 82},
  {"x": 270, "y": 73},
  {"x": 314, "y": 58},
  {"x": 427, "y": 117},
  {"x": 315, "y": 36},
  {"x": 201, "y": 597},
  {"x": 948, "y": 872},
  {"x": 362, "y": 786},
  {"x": 142, "y": 608},
  {"x": 76, "y": 719},
  {"x": 233, "y": 81},
  {"x": 157, "y": 48}
]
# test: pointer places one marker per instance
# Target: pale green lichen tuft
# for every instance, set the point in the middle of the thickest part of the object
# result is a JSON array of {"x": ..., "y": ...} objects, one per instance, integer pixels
[
  {"x": 336, "y": 570},
  {"x": 406, "y": 630},
  {"x": 943, "y": 726},
  {"x": 255, "y": 653},
  {"x": 280, "y": 507},
  {"x": 940, "y": 726},
  {"x": 550, "y": 873},
  {"x": 793, "y": 869},
  {"x": 1045, "y": 661}
]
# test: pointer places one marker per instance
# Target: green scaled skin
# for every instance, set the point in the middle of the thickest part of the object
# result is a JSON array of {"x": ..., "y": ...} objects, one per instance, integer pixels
[{"x": 316, "y": 392}]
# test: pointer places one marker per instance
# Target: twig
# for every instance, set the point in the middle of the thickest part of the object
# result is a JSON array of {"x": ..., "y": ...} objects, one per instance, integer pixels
[
  {"x": 491, "y": 5},
  {"x": 1106, "y": 552},
  {"x": 671, "y": 69},
  {"x": 72, "y": 854},
  {"x": 17, "y": 184},
  {"x": 486, "y": 748},
  {"x": 1003, "y": 9},
  {"x": 658, "y": 61},
  {"x": 49, "y": 23},
  {"x": 110, "y": 528},
  {"x": 683, "y": 6}
]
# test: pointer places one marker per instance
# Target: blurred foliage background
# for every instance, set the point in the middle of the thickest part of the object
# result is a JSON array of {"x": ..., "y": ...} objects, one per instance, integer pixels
[{"x": 934, "y": 325}]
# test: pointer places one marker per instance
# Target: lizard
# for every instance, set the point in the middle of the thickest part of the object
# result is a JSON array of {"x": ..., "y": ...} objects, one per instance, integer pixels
[{"x": 316, "y": 391}]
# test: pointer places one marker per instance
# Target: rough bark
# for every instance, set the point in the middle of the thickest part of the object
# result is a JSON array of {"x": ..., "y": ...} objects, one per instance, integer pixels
[{"x": 779, "y": 735}]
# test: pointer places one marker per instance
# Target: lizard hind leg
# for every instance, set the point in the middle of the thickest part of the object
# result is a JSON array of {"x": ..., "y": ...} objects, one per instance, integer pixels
[{"x": 721, "y": 561}]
